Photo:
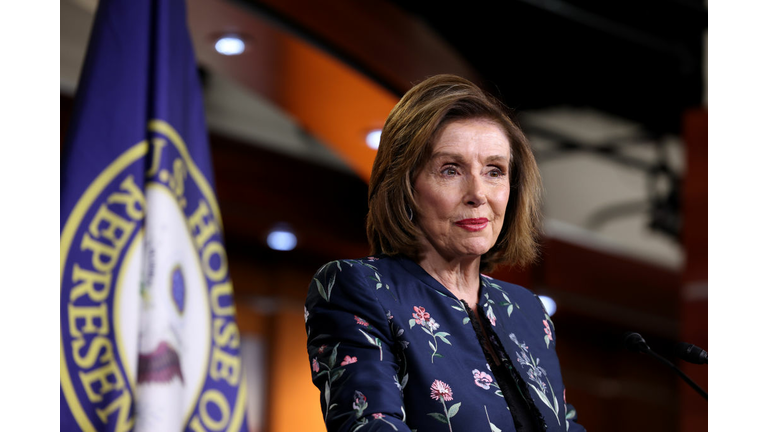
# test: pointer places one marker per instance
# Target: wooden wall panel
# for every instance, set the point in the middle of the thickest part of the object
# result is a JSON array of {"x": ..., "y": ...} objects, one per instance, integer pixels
[
  {"x": 694, "y": 305},
  {"x": 294, "y": 400}
]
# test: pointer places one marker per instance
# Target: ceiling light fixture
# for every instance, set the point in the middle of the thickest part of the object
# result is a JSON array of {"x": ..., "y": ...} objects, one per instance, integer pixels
[
  {"x": 281, "y": 239},
  {"x": 373, "y": 138},
  {"x": 230, "y": 45},
  {"x": 549, "y": 305}
]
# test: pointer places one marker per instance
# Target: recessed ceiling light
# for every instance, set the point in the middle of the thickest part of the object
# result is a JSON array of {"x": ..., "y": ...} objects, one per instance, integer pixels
[
  {"x": 549, "y": 304},
  {"x": 230, "y": 45},
  {"x": 281, "y": 239},
  {"x": 373, "y": 138}
]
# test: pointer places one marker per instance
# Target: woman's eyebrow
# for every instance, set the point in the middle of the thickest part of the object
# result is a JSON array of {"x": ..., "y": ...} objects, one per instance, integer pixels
[
  {"x": 460, "y": 159},
  {"x": 497, "y": 158},
  {"x": 448, "y": 155}
]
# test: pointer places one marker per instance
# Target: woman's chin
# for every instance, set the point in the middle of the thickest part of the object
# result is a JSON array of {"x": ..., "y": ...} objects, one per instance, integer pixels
[
  {"x": 465, "y": 252},
  {"x": 476, "y": 247}
]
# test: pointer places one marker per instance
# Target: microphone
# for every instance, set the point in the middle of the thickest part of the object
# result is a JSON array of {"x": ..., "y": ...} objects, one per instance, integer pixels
[
  {"x": 633, "y": 342},
  {"x": 691, "y": 353}
]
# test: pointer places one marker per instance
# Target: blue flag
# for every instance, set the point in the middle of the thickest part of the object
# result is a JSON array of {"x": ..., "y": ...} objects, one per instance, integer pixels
[{"x": 148, "y": 336}]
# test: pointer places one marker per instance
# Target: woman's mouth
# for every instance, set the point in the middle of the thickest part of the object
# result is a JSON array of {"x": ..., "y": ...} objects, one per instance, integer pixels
[{"x": 473, "y": 224}]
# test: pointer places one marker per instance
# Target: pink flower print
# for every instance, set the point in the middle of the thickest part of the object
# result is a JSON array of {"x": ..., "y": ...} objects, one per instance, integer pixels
[
  {"x": 429, "y": 325},
  {"x": 348, "y": 360},
  {"x": 322, "y": 348},
  {"x": 547, "y": 330},
  {"x": 370, "y": 258},
  {"x": 482, "y": 379},
  {"x": 421, "y": 315},
  {"x": 378, "y": 416},
  {"x": 441, "y": 390},
  {"x": 563, "y": 396},
  {"x": 361, "y": 321},
  {"x": 315, "y": 365},
  {"x": 492, "y": 319}
]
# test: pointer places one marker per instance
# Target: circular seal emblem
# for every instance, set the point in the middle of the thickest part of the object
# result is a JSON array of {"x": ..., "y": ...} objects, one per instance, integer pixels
[{"x": 148, "y": 337}]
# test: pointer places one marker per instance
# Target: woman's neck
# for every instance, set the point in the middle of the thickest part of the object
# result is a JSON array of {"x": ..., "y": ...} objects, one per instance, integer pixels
[{"x": 461, "y": 276}]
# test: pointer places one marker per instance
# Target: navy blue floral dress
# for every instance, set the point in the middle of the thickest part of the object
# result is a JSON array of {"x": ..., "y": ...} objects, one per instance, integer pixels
[{"x": 392, "y": 349}]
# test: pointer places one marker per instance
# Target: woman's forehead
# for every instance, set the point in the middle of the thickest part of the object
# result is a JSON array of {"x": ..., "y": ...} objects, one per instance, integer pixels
[{"x": 471, "y": 138}]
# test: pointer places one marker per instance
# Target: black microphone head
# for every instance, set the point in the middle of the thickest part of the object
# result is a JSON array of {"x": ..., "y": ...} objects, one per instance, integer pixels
[
  {"x": 691, "y": 353},
  {"x": 635, "y": 343},
  {"x": 683, "y": 349}
]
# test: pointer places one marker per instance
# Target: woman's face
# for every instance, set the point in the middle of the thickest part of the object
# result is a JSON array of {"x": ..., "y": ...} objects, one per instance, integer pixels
[{"x": 463, "y": 189}]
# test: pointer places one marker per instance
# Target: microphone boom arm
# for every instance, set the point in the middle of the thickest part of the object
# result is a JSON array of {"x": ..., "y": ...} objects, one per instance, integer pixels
[
  {"x": 685, "y": 377},
  {"x": 635, "y": 343}
]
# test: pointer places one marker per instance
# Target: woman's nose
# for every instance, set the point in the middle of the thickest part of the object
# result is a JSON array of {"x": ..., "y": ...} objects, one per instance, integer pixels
[{"x": 475, "y": 194}]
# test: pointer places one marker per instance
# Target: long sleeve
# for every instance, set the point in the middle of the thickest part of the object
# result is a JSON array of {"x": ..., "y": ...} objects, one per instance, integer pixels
[{"x": 352, "y": 351}]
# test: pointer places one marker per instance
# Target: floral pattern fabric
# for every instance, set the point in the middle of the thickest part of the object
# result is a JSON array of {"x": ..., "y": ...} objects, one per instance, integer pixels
[
  {"x": 429, "y": 325},
  {"x": 391, "y": 349}
]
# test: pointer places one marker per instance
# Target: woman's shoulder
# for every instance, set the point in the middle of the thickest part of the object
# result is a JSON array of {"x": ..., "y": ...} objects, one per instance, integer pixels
[
  {"x": 350, "y": 276},
  {"x": 513, "y": 292},
  {"x": 346, "y": 268}
]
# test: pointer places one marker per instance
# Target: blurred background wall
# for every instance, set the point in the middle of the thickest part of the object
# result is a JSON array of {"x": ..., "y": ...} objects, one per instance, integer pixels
[{"x": 612, "y": 97}]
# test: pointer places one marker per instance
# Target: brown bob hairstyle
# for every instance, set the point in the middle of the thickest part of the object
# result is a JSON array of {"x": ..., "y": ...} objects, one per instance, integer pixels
[{"x": 406, "y": 146}]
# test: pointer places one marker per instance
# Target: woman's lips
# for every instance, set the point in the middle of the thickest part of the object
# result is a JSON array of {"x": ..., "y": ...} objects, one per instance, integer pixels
[{"x": 474, "y": 224}]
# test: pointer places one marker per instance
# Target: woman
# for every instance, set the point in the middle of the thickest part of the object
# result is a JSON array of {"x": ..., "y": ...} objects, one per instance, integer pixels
[{"x": 415, "y": 337}]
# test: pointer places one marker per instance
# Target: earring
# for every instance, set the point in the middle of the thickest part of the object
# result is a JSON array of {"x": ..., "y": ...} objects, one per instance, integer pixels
[{"x": 410, "y": 212}]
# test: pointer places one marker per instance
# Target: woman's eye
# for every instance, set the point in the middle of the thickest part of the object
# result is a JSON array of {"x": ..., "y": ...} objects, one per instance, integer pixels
[
  {"x": 449, "y": 171},
  {"x": 495, "y": 172}
]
